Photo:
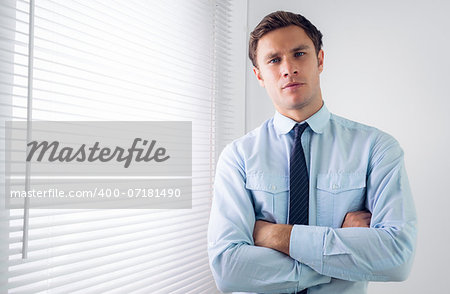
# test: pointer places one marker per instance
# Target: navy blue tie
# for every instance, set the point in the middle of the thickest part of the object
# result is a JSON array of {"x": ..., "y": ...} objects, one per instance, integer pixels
[{"x": 299, "y": 183}]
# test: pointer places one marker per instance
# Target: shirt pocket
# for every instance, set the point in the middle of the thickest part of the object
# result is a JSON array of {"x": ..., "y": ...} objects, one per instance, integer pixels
[
  {"x": 270, "y": 195},
  {"x": 338, "y": 194}
]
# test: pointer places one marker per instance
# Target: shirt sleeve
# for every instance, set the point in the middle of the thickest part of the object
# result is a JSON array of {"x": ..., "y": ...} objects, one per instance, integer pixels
[
  {"x": 236, "y": 264},
  {"x": 383, "y": 252}
]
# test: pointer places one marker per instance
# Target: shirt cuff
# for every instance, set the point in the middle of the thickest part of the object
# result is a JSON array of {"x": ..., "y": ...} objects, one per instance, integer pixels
[
  {"x": 306, "y": 244},
  {"x": 310, "y": 278}
]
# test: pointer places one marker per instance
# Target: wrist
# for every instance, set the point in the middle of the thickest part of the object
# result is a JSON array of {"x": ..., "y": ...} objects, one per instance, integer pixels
[{"x": 281, "y": 237}]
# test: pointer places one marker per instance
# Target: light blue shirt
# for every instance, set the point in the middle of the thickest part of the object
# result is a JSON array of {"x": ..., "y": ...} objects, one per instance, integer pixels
[{"x": 351, "y": 167}]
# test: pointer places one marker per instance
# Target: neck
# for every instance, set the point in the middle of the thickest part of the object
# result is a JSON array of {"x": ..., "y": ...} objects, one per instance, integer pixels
[{"x": 302, "y": 113}]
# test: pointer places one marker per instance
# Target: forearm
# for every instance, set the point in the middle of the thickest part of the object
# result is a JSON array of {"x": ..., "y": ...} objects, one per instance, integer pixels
[
  {"x": 356, "y": 254},
  {"x": 247, "y": 268},
  {"x": 274, "y": 236}
]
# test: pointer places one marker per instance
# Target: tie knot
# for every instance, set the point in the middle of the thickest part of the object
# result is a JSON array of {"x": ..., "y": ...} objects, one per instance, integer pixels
[{"x": 299, "y": 129}]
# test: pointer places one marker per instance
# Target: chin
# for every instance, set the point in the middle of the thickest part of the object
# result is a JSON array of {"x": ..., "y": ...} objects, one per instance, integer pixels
[{"x": 298, "y": 103}]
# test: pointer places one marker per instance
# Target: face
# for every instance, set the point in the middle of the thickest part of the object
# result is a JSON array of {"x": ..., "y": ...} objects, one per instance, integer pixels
[{"x": 289, "y": 69}]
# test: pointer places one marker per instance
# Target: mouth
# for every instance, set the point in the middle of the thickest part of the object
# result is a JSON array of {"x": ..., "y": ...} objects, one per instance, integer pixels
[{"x": 292, "y": 86}]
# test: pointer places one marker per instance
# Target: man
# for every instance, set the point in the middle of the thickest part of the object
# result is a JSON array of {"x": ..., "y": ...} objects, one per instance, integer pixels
[{"x": 309, "y": 202}]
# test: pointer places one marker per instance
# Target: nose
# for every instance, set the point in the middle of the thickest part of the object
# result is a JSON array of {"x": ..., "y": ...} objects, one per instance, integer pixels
[{"x": 289, "y": 69}]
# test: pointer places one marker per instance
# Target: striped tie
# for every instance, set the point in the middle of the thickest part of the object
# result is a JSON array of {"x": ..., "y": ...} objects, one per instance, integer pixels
[{"x": 299, "y": 183}]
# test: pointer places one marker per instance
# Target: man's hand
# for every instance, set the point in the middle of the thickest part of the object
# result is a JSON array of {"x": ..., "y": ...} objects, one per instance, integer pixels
[
  {"x": 357, "y": 219},
  {"x": 275, "y": 236}
]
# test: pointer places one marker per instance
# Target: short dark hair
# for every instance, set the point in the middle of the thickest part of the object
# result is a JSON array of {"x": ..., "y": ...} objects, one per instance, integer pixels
[{"x": 281, "y": 19}]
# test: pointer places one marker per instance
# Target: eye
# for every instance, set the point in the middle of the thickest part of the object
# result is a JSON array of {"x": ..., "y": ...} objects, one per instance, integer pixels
[
  {"x": 275, "y": 60},
  {"x": 297, "y": 54}
]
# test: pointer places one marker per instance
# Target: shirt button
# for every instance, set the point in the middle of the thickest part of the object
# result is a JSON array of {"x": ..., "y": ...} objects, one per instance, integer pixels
[
  {"x": 335, "y": 186},
  {"x": 274, "y": 187}
]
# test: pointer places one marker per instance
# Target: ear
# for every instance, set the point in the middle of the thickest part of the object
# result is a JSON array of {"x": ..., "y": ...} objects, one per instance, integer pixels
[
  {"x": 258, "y": 75},
  {"x": 320, "y": 60}
]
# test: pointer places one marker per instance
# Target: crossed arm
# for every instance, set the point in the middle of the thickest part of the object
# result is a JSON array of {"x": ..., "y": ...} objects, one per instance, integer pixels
[
  {"x": 255, "y": 256},
  {"x": 278, "y": 236}
]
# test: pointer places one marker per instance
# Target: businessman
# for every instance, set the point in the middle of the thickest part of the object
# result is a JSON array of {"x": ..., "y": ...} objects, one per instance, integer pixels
[{"x": 309, "y": 202}]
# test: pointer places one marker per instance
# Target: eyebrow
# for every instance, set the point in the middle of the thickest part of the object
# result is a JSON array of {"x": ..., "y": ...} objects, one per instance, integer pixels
[{"x": 298, "y": 48}]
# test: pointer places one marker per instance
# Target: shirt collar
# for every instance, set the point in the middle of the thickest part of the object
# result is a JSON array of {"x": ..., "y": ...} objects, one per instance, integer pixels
[{"x": 317, "y": 121}]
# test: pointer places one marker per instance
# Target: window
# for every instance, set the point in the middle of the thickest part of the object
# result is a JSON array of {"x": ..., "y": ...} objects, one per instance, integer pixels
[{"x": 116, "y": 60}]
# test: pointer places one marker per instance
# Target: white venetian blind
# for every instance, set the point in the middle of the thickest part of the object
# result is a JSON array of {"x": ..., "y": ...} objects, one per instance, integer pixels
[{"x": 115, "y": 60}]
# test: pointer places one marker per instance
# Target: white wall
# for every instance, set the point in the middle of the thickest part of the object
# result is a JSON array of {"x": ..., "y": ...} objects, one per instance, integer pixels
[{"x": 387, "y": 64}]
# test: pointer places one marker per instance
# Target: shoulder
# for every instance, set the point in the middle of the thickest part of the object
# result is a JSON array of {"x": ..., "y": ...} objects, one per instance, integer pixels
[
  {"x": 244, "y": 144},
  {"x": 339, "y": 123},
  {"x": 345, "y": 123},
  {"x": 381, "y": 146}
]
